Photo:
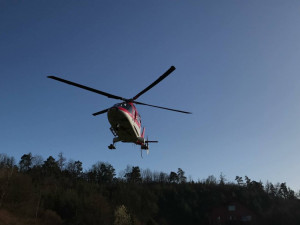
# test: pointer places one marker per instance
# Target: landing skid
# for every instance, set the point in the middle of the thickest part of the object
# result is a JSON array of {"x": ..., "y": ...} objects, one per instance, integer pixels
[{"x": 111, "y": 147}]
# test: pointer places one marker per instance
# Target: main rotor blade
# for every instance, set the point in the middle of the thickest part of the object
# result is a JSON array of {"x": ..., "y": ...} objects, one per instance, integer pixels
[
  {"x": 175, "y": 110},
  {"x": 100, "y": 112},
  {"x": 86, "y": 88},
  {"x": 168, "y": 72}
]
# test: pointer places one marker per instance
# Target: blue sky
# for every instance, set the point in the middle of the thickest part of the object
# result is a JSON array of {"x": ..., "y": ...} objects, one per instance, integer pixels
[{"x": 237, "y": 71}]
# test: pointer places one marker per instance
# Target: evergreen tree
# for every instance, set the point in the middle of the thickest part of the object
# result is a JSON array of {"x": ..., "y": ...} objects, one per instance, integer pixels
[
  {"x": 134, "y": 176},
  {"x": 50, "y": 166},
  {"x": 25, "y": 162},
  {"x": 102, "y": 173},
  {"x": 173, "y": 177}
]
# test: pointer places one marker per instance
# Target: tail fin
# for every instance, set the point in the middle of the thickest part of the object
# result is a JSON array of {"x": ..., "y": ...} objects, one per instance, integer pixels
[{"x": 143, "y": 133}]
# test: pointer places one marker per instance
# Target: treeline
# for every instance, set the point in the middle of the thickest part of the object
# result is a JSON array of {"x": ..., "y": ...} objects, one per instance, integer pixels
[{"x": 57, "y": 191}]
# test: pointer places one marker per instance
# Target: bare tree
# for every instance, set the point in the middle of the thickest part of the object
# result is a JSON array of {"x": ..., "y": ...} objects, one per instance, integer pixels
[{"x": 61, "y": 161}]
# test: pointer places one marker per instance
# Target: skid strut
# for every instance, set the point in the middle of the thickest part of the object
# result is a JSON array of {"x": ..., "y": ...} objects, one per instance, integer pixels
[
  {"x": 113, "y": 131},
  {"x": 112, "y": 146}
]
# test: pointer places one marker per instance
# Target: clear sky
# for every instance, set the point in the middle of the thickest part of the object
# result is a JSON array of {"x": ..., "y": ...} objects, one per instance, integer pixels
[{"x": 237, "y": 71}]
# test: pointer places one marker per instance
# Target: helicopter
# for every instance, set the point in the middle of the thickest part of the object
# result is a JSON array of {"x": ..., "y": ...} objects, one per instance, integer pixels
[{"x": 125, "y": 121}]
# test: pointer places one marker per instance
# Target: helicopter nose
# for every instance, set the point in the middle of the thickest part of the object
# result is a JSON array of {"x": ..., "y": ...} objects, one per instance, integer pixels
[
  {"x": 114, "y": 112},
  {"x": 113, "y": 109}
]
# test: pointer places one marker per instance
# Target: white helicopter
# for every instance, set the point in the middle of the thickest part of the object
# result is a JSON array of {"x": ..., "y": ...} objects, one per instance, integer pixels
[{"x": 123, "y": 117}]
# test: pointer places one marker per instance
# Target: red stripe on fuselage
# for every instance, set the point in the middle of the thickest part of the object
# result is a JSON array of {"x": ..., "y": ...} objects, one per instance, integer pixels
[{"x": 126, "y": 111}]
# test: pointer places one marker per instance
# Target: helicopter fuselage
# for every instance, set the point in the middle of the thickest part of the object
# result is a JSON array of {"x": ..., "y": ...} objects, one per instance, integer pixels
[{"x": 126, "y": 123}]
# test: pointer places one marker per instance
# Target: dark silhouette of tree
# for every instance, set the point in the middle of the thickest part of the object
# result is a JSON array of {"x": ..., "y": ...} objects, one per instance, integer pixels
[
  {"x": 239, "y": 180},
  {"x": 173, "y": 177},
  {"x": 6, "y": 161},
  {"x": 50, "y": 166},
  {"x": 74, "y": 168},
  {"x": 7, "y": 170},
  {"x": 222, "y": 179},
  {"x": 25, "y": 162},
  {"x": 181, "y": 177},
  {"x": 134, "y": 176},
  {"x": 163, "y": 177},
  {"x": 270, "y": 190},
  {"x": 285, "y": 192},
  {"x": 102, "y": 173}
]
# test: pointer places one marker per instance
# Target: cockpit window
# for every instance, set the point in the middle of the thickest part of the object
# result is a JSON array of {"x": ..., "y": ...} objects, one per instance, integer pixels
[{"x": 125, "y": 105}]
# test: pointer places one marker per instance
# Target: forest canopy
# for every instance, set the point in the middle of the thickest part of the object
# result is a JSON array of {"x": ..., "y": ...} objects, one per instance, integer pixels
[{"x": 57, "y": 191}]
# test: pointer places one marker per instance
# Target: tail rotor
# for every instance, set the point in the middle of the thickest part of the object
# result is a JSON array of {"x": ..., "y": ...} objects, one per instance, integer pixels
[{"x": 145, "y": 146}]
